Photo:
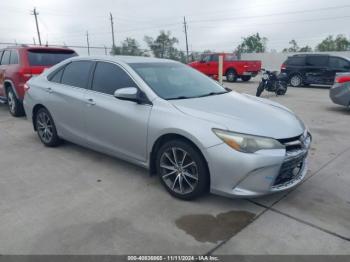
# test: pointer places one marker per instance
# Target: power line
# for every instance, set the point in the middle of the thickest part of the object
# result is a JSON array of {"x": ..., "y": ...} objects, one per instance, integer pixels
[
  {"x": 272, "y": 14},
  {"x": 35, "y": 13}
]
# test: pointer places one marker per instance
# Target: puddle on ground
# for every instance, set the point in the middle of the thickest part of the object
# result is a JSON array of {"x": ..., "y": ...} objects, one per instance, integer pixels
[{"x": 209, "y": 228}]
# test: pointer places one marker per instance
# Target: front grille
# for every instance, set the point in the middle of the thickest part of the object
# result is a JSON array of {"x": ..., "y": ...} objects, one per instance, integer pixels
[
  {"x": 290, "y": 169},
  {"x": 296, "y": 152}
]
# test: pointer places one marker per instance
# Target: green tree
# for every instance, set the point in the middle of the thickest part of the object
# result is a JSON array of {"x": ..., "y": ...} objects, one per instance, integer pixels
[
  {"x": 340, "y": 43},
  {"x": 163, "y": 46},
  {"x": 305, "y": 49},
  {"x": 252, "y": 44},
  {"x": 295, "y": 48},
  {"x": 128, "y": 47}
]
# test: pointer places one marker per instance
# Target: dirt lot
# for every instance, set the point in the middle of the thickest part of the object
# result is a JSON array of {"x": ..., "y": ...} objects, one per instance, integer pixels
[{"x": 70, "y": 200}]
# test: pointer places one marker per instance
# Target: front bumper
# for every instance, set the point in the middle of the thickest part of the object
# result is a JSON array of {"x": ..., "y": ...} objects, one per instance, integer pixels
[{"x": 236, "y": 174}]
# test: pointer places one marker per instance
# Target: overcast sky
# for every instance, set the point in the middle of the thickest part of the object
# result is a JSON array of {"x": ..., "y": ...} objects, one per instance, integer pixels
[{"x": 212, "y": 24}]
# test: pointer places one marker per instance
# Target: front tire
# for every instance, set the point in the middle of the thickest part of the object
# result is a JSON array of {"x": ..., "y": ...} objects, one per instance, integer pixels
[
  {"x": 15, "y": 106},
  {"x": 246, "y": 78},
  {"x": 296, "y": 81},
  {"x": 231, "y": 75},
  {"x": 260, "y": 89},
  {"x": 182, "y": 169},
  {"x": 46, "y": 128}
]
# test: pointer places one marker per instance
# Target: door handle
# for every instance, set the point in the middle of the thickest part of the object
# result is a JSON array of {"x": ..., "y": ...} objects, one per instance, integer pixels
[
  {"x": 91, "y": 101},
  {"x": 49, "y": 90}
]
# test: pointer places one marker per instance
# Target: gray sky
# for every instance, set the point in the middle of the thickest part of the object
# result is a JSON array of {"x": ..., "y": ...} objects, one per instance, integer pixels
[{"x": 213, "y": 24}]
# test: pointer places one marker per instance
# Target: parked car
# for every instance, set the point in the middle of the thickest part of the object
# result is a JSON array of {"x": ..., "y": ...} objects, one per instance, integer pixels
[
  {"x": 340, "y": 91},
  {"x": 232, "y": 68},
  {"x": 18, "y": 64},
  {"x": 306, "y": 69},
  {"x": 173, "y": 120}
]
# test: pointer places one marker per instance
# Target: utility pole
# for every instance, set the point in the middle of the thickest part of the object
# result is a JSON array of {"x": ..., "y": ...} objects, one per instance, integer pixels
[
  {"x": 35, "y": 13},
  {"x": 88, "y": 42},
  {"x": 112, "y": 27},
  {"x": 185, "y": 26}
]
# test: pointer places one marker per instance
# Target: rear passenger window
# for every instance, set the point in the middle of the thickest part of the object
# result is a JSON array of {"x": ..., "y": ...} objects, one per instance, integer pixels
[
  {"x": 14, "y": 58},
  {"x": 5, "y": 60},
  {"x": 317, "y": 60},
  {"x": 296, "y": 61},
  {"x": 109, "y": 77},
  {"x": 77, "y": 74},
  {"x": 57, "y": 76}
]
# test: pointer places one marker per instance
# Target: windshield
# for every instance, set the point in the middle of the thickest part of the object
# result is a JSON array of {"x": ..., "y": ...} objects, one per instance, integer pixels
[{"x": 176, "y": 81}]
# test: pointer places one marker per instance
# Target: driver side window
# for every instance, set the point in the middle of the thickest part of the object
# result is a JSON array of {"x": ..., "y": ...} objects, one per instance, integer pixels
[
  {"x": 110, "y": 77},
  {"x": 205, "y": 58}
]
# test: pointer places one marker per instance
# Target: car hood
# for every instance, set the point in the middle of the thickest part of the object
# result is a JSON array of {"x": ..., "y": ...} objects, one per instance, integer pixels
[{"x": 244, "y": 114}]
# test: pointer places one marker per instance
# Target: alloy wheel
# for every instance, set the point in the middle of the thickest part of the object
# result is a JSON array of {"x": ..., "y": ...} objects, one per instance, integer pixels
[
  {"x": 45, "y": 127},
  {"x": 11, "y": 101},
  {"x": 295, "y": 81},
  {"x": 178, "y": 170}
]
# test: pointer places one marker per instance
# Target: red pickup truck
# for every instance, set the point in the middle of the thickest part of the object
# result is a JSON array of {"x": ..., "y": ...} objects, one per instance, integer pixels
[{"x": 232, "y": 68}]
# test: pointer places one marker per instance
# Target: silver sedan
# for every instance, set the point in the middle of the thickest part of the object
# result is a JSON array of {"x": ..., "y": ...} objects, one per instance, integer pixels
[
  {"x": 165, "y": 116},
  {"x": 340, "y": 91}
]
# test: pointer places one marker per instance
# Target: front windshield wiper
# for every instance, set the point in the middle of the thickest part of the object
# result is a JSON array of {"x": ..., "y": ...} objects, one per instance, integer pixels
[
  {"x": 214, "y": 93},
  {"x": 178, "y": 97}
]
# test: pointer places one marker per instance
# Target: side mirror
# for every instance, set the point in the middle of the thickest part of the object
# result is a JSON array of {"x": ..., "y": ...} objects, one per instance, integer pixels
[
  {"x": 127, "y": 93},
  {"x": 132, "y": 94}
]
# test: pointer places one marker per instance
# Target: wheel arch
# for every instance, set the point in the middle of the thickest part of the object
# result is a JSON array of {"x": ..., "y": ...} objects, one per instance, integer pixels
[
  {"x": 9, "y": 84},
  {"x": 230, "y": 68},
  {"x": 34, "y": 111},
  {"x": 168, "y": 137}
]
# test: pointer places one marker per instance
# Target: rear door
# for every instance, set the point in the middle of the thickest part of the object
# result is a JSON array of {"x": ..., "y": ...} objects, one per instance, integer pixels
[
  {"x": 316, "y": 69},
  {"x": 336, "y": 65},
  {"x": 4, "y": 63},
  {"x": 65, "y": 99}
]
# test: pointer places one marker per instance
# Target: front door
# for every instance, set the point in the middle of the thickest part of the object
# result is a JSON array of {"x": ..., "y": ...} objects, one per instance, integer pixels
[
  {"x": 115, "y": 126},
  {"x": 336, "y": 65}
]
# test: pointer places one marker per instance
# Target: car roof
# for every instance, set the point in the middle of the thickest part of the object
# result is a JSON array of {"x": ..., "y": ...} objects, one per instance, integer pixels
[
  {"x": 29, "y": 47},
  {"x": 125, "y": 59}
]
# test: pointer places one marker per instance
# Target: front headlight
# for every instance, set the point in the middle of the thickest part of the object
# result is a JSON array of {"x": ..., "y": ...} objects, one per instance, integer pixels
[
  {"x": 265, "y": 76},
  {"x": 247, "y": 143}
]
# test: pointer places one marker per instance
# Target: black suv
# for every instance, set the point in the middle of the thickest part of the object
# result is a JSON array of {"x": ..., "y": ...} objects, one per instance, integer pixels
[{"x": 306, "y": 69}]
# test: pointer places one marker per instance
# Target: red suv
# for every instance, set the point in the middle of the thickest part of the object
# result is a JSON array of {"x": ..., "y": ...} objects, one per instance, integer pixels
[{"x": 18, "y": 64}]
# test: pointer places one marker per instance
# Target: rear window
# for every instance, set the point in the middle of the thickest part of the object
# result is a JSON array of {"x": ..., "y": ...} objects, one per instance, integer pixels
[
  {"x": 48, "y": 57},
  {"x": 296, "y": 61}
]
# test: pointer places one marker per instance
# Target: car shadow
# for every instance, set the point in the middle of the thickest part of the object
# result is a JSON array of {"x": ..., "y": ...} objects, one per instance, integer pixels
[{"x": 340, "y": 109}]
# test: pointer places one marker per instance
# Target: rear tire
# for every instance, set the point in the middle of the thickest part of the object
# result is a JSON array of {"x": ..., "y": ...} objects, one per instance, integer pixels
[
  {"x": 231, "y": 75},
  {"x": 15, "y": 106},
  {"x": 246, "y": 78},
  {"x": 296, "y": 81},
  {"x": 260, "y": 89},
  {"x": 46, "y": 128},
  {"x": 182, "y": 169}
]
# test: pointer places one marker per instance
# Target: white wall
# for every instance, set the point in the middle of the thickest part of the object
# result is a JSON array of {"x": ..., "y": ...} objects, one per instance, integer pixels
[{"x": 273, "y": 61}]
